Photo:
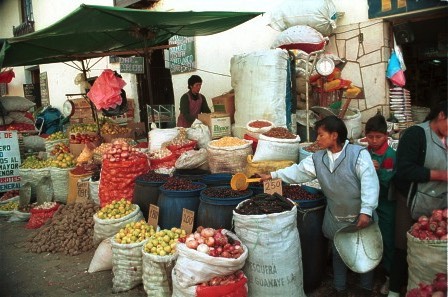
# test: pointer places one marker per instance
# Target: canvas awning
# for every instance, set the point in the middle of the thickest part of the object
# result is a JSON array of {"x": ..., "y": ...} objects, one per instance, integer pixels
[{"x": 95, "y": 31}]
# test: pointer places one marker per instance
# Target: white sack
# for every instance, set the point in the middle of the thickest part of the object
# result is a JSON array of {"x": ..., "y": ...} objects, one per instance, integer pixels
[
  {"x": 199, "y": 132},
  {"x": 277, "y": 149},
  {"x": 318, "y": 14},
  {"x": 259, "y": 81},
  {"x": 102, "y": 259},
  {"x": 158, "y": 137}
]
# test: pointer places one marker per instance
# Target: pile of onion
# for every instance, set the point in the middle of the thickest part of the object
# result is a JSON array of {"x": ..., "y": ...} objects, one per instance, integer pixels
[
  {"x": 432, "y": 228},
  {"x": 121, "y": 152},
  {"x": 213, "y": 242},
  {"x": 436, "y": 289}
]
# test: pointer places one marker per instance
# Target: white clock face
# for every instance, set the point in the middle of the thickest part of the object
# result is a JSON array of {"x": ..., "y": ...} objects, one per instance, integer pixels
[
  {"x": 68, "y": 108},
  {"x": 325, "y": 66}
]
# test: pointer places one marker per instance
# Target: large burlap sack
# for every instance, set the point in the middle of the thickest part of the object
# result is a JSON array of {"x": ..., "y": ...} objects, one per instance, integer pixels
[
  {"x": 425, "y": 258},
  {"x": 107, "y": 228},
  {"x": 264, "y": 167},
  {"x": 275, "y": 255},
  {"x": 231, "y": 159},
  {"x": 157, "y": 274}
]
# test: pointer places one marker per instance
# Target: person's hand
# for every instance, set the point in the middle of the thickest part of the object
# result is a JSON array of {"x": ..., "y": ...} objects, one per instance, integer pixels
[
  {"x": 363, "y": 221},
  {"x": 265, "y": 177},
  {"x": 376, "y": 164}
]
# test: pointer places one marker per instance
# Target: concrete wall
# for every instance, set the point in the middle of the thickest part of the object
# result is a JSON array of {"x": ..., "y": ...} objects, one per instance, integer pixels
[{"x": 213, "y": 53}]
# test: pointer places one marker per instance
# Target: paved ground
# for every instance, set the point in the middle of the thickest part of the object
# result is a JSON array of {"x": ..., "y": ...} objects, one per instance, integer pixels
[{"x": 25, "y": 274}]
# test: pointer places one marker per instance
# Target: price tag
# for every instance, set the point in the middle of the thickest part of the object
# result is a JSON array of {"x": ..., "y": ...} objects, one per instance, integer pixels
[
  {"x": 187, "y": 220},
  {"x": 153, "y": 215},
  {"x": 273, "y": 186}
]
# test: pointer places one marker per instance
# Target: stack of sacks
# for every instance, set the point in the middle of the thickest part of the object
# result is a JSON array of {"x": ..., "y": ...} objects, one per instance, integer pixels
[{"x": 14, "y": 114}]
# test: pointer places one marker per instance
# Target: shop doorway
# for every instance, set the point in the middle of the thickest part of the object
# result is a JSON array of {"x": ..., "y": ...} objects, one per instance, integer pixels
[
  {"x": 424, "y": 42},
  {"x": 161, "y": 85}
]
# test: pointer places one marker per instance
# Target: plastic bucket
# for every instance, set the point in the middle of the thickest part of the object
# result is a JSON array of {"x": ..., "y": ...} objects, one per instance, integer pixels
[
  {"x": 218, "y": 212},
  {"x": 146, "y": 193},
  {"x": 217, "y": 179},
  {"x": 352, "y": 120},
  {"x": 171, "y": 204},
  {"x": 194, "y": 175},
  {"x": 313, "y": 244}
]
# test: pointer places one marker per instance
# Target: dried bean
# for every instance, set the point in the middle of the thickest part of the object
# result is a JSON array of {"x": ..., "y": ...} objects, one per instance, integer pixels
[
  {"x": 180, "y": 184},
  {"x": 153, "y": 177},
  {"x": 259, "y": 124},
  {"x": 217, "y": 192},
  {"x": 280, "y": 132},
  {"x": 264, "y": 204},
  {"x": 296, "y": 192}
]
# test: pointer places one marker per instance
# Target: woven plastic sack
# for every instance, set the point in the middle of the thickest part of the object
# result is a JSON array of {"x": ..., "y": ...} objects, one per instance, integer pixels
[
  {"x": 157, "y": 274},
  {"x": 264, "y": 167},
  {"x": 102, "y": 259},
  {"x": 16, "y": 103},
  {"x": 158, "y": 137},
  {"x": 277, "y": 149},
  {"x": 126, "y": 265},
  {"x": 199, "y": 132},
  {"x": 93, "y": 191},
  {"x": 302, "y": 38},
  {"x": 33, "y": 177},
  {"x": 192, "y": 159},
  {"x": 107, "y": 228},
  {"x": 425, "y": 258},
  {"x": 44, "y": 190},
  {"x": 59, "y": 178},
  {"x": 19, "y": 117},
  {"x": 50, "y": 144},
  {"x": 5, "y": 120},
  {"x": 318, "y": 14},
  {"x": 270, "y": 238},
  {"x": 193, "y": 267},
  {"x": 228, "y": 159}
]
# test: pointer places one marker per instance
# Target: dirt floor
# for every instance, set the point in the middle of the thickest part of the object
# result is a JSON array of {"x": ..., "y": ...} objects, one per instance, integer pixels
[{"x": 47, "y": 275}]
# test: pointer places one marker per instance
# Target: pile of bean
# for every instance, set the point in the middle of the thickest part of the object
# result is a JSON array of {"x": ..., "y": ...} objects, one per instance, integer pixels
[
  {"x": 153, "y": 177},
  {"x": 259, "y": 124},
  {"x": 264, "y": 204},
  {"x": 296, "y": 192},
  {"x": 280, "y": 132},
  {"x": 180, "y": 184},
  {"x": 69, "y": 231},
  {"x": 218, "y": 192},
  {"x": 312, "y": 148}
]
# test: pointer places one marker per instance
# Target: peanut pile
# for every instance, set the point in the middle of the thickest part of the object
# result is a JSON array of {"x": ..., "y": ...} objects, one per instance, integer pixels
[{"x": 69, "y": 231}]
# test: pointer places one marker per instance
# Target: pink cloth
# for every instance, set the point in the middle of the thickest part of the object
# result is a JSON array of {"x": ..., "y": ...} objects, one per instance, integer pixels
[{"x": 195, "y": 109}]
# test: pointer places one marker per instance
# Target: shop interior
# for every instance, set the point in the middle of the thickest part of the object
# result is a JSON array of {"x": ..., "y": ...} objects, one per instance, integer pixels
[{"x": 424, "y": 43}]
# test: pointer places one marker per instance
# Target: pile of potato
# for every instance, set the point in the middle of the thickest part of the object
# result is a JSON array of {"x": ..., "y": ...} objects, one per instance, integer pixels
[{"x": 69, "y": 231}]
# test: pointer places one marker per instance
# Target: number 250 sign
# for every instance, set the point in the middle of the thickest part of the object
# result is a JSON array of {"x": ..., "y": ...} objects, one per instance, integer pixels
[{"x": 273, "y": 186}]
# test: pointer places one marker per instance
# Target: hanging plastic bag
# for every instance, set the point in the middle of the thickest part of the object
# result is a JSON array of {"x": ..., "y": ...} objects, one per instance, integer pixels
[
  {"x": 106, "y": 91},
  {"x": 394, "y": 71}
]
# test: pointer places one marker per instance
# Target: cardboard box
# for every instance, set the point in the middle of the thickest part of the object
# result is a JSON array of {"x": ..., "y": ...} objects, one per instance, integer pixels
[
  {"x": 218, "y": 123},
  {"x": 225, "y": 104}
]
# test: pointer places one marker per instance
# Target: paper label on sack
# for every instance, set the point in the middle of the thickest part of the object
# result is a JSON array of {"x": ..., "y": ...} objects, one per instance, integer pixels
[
  {"x": 82, "y": 190},
  {"x": 187, "y": 220},
  {"x": 153, "y": 216}
]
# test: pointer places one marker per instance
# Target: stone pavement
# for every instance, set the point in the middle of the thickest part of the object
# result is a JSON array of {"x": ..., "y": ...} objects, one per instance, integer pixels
[{"x": 24, "y": 274}]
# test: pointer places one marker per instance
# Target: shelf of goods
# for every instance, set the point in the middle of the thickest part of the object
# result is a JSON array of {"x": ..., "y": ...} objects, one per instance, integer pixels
[{"x": 159, "y": 114}]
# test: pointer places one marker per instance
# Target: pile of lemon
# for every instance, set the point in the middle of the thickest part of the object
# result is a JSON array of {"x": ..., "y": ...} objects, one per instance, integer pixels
[{"x": 64, "y": 160}]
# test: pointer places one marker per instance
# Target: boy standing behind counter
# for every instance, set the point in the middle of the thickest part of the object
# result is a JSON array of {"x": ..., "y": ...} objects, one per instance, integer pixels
[{"x": 383, "y": 157}]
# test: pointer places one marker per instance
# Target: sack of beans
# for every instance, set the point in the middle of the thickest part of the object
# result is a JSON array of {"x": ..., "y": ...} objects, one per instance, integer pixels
[
  {"x": 228, "y": 154},
  {"x": 278, "y": 144}
]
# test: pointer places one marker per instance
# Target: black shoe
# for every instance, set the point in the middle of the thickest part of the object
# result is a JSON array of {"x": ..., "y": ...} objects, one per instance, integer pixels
[{"x": 336, "y": 293}]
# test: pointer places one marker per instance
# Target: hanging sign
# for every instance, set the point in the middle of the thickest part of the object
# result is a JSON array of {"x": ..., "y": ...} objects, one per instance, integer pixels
[
  {"x": 134, "y": 65},
  {"x": 9, "y": 161},
  {"x": 44, "y": 95},
  {"x": 28, "y": 91},
  {"x": 182, "y": 56},
  {"x": 382, "y": 8}
]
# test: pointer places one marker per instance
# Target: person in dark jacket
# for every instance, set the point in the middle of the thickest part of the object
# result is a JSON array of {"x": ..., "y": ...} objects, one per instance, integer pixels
[
  {"x": 192, "y": 103},
  {"x": 422, "y": 165}
]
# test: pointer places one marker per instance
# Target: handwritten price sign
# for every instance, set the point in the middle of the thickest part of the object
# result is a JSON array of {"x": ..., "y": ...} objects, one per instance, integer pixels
[
  {"x": 187, "y": 220},
  {"x": 273, "y": 186},
  {"x": 153, "y": 215}
]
